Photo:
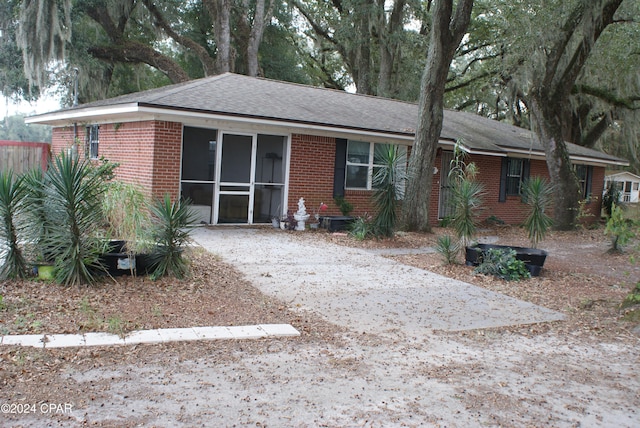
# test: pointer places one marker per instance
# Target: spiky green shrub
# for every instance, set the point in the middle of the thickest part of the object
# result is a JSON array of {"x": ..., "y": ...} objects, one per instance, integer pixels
[
  {"x": 73, "y": 189},
  {"x": 467, "y": 200},
  {"x": 466, "y": 197},
  {"x": 172, "y": 224},
  {"x": 388, "y": 183},
  {"x": 361, "y": 229},
  {"x": 537, "y": 193},
  {"x": 447, "y": 248},
  {"x": 12, "y": 194}
]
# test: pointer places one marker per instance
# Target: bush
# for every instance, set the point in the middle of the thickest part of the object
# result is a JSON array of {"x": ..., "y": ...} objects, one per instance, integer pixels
[
  {"x": 618, "y": 229},
  {"x": 72, "y": 208},
  {"x": 448, "y": 249},
  {"x": 172, "y": 223},
  {"x": 388, "y": 184},
  {"x": 503, "y": 264},
  {"x": 12, "y": 194},
  {"x": 344, "y": 206},
  {"x": 537, "y": 193},
  {"x": 361, "y": 229}
]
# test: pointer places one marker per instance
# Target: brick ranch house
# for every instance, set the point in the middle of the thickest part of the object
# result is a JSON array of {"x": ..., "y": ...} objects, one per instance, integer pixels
[{"x": 245, "y": 149}]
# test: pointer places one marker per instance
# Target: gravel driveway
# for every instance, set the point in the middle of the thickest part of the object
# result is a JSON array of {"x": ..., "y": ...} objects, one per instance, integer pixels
[
  {"x": 414, "y": 352},
  {"x": 361, "y": 290}
]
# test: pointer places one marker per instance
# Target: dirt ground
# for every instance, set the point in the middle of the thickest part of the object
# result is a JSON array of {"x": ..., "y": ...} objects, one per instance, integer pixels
[{"x": 578, "y": 372}]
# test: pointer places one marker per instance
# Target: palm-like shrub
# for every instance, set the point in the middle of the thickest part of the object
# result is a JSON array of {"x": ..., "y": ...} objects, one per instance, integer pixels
[
  {"x": 537, "y": 193},
  {"x": 466, "y": 197},
  {"x": 467, "y": 200},
  {"x": 173, "y": 221},
  {"x": 12, "y": 193},
  {"x": 73, "y": 189},
  {"x": 388, "y": 183},
  {"x": 448, "y": 249}
]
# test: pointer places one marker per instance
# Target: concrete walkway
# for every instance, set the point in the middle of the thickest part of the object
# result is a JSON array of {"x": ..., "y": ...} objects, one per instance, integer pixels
[
  {"x": 361, "y": 290},
  {"x": 151, "y": 336}
]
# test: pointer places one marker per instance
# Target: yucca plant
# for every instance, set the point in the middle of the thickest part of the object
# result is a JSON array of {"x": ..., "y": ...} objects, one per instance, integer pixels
[
  {"x": 467, "y": 200},
  {"x": 388, "y": 183},
  {"x": 466, "y": 197},
  {"x": 12, "y": 194},
  {"x": 537, "y": 193},
  {"x": 447, "y": 248},
  {"x": 73, "y": 190},
  {"x": 172, "y": 224}
]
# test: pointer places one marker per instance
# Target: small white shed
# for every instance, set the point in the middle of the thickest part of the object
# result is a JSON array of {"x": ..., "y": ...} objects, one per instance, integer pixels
[{"x": 628, "y": 183}]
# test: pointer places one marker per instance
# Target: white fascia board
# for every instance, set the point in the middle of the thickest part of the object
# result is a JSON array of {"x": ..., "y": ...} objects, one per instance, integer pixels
[
  {"x": 595, "y": 161},
  {"x": 68, "y": 117}
]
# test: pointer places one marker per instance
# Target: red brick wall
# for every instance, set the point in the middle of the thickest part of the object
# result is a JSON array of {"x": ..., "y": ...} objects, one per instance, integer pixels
[
  {"x": 155, "y": 167},
  {"x": 311, "y": 177}
]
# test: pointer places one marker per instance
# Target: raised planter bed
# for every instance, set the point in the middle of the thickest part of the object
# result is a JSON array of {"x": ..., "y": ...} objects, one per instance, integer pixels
[
  {"x": 533, "y": 258},
  {"x": 334, "y": 223}
]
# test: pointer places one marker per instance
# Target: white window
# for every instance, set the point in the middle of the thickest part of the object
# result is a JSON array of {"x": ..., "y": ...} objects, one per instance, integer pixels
[
  {"x": 363, "y": 160},
  {"x": 92, "y": 141}
]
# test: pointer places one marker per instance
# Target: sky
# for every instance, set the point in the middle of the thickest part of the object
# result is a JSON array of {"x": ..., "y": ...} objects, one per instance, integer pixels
[{"x": 47, "y": 103}]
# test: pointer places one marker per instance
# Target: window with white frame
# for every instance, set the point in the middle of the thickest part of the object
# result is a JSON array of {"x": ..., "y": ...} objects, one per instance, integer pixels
[
  {"x": 363, "y": 160},
  {"x": 92, "y": 141}
]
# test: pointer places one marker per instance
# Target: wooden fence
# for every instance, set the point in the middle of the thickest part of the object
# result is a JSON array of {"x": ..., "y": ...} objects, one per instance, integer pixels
[{"x": 22, "y": 156}]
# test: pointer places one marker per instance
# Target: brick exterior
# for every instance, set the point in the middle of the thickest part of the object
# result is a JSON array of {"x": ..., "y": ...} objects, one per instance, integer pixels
[
  {"x": 155, "y": 167},
  {"x": 149, "y": 155}
]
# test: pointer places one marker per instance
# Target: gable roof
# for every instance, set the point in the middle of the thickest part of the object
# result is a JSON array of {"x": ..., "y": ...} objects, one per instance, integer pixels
[{"x": 305, "y": 109}]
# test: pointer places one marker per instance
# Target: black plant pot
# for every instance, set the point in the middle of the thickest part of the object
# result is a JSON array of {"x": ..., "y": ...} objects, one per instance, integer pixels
[
  {"x": 533, "y": 258},
  {"x": 334, "y": 223},
  {"x": 118, "y": 262}
]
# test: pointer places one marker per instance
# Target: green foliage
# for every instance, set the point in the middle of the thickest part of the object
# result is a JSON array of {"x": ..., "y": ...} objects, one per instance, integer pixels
[
  {"x": 125, "y": 210},
  {"x": 611, "y": 198},
  {"x": 73, "y": 217},
  {"x": 632, "y": 298},
  {"x": 361, "y": 229},
  {"x": 448, "y": 249},
  {"x": 172, "y": 222},
  {"x": 618, "y": 229},
  {"x": 12, "y": 195},
  {"x": 344, "y": 206},
  {"x": 388, "y": 183},
  {"x": 503, "y": 264},
  {"x": 538, "y": 193},
  {"x": 466, "y": 197}
]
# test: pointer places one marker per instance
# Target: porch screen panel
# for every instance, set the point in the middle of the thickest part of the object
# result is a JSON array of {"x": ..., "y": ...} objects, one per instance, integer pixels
[
  {"x": 198, "y": 170},
  {"x": 269, "y": 177}
]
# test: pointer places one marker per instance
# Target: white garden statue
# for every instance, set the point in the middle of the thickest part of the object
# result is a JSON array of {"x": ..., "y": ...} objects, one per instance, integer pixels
[{"x": 301, "y": 215}]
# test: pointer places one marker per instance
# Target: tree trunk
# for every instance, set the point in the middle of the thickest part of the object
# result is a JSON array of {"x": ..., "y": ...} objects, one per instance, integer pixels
[
  {"x": 445, "y": 36},
  {"x": 363, "y": 49},
  {"x": 261, "y": 17},
  {"x": 220, "y": 11},
  {"x": 388, "y": 40},
  {"x": 548, "y": 126}
]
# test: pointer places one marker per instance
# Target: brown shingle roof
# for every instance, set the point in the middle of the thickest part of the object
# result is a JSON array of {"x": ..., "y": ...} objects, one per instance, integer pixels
[{"x": 235, "y": 95}]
